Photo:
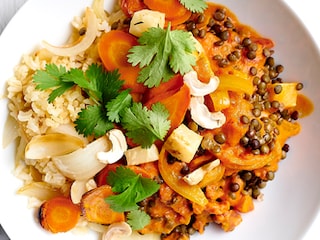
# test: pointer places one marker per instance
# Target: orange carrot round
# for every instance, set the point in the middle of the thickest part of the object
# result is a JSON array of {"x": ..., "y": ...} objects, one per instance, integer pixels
[
  {"x": 113, "y": 49},
  {"x": 175, "y": 12},
  {"x": 59, "y": 214}
]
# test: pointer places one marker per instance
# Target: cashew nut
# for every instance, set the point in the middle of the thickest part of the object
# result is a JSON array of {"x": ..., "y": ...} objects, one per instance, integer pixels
[
  {"x": 203, "y": 117},
  {"x": 116, "y": 230},
  {"x": 198, "y": 88},
  {"x": 119, "y": 146}
]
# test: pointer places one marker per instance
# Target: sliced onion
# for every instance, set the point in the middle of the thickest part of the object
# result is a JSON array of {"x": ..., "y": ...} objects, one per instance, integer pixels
[
  {"x": 10, "y": 131},
  {"x": 40, "y": 190},
  {"x": 83, "y": 43},
  {"x": 83, "y": 163},
  {"x": 53, "y": 144},
  {"x": 98, "y": 8}
]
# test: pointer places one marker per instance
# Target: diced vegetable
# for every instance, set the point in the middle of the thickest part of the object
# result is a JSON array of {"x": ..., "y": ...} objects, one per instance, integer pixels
[
  {"x": 183, "y": 143},
  {"x": 284, "y": 93},
  {"x": 144, "y": 19},
  {"x": 95, "y": 209},
  {"x": 139, "y": 155}
]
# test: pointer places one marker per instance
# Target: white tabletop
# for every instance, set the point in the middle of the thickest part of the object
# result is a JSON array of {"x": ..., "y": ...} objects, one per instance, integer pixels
[{"x": 306, "y": 10}]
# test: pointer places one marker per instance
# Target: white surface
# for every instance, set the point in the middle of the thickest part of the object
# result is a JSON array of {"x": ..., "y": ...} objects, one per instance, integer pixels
[{"x": 297, "y": 195}]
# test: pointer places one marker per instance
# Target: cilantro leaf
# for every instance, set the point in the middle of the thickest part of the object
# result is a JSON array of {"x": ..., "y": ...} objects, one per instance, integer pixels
[
  {"x": 145, "y": 126},
  {"x": 57, "y": 92},
  {"x": 197, "y": 6},
  {"x": 138, "y": 219},
  {"x": 111, "y": 86},
  {"x": 181, "y": 49},
  {"x": 93, "y": 120},
  {"x": 131, "y": 188},
  {"x": 116, "y": 105},
  {"x": 52, "y": 77},
  {"x": 161, "y": 54},
  {"x": 111, "y": 105}
]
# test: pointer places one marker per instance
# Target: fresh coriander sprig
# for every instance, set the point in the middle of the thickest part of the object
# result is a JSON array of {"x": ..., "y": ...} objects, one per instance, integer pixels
[
  {"x": 132, "y": 188},
  {"x": 161, "y": 54},
  {"x": 145, "y": 126},
  {"x": 112, "y": 103},
  {"x": 138, "y": 219},
  {"x": 196, "y": 6}
]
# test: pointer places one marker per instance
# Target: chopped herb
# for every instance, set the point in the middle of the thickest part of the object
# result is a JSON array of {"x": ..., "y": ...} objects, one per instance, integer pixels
[
  {"x": 112, "y": 103},
  {"x": 131, "y": 188},
  {"x": 197, "y": 6},
  {"x": 161, "y": 54},
  {"x": 138, "y": 219},
  {"x": 145, "y": 126}
]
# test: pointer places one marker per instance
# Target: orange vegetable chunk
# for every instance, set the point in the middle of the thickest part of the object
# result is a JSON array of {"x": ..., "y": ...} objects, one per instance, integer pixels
[
  {"x": 113, "y": 49},
  {"x": 59, "y": 214},
  {"x": 95, "y": 209}
]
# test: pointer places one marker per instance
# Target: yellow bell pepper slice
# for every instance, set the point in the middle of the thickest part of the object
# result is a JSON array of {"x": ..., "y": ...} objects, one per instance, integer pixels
[
  {"x": 236, "y": 82},
  {"x": 220, "y": 100},
  {"x": 174, "y": 180}
]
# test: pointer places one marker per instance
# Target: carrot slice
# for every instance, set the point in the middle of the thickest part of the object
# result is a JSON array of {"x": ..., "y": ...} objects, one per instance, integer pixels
[
  {"x": 129, "y": 7},
  {"x": 177, "y": 103},
  {"x": 175, "y": 12},
  {"x": 59, "y": 214},
  {"x": 113, "y": 49},
  {"x": 173, "y": 85},
  {"x": 95, "y": 209}
]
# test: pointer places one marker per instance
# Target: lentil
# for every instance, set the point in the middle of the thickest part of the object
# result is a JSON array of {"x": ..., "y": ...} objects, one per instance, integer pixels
[
  {"x": 299, "y": 86},
  {"x": 219, "y": 15},
  {"x": 244, "y": 119},
  {"x": 234, "y": 187},
  {"x": 277, "y": 89},
  {"x": 270, "y": 175},
  {"x": 286, "y": 147},
  {"x": 220, "y": 138}
]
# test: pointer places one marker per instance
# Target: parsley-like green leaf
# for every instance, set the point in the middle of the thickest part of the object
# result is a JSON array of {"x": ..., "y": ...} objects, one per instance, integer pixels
[
  {"x": 93, "y": 120},
  {"x": 112, "y": 104},
  {"x": 138, "y": 219},
  {"x": 161, "y": 54},
  {"x": 197, "y": 6},
  {"x": 145, "y": 126},
  {"x": 131, "y": 188},
  {"x": 52, "y": 77},
  {"x": 116, "y": 105}
]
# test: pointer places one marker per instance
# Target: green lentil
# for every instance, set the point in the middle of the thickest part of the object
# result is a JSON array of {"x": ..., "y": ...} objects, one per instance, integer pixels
[{"x": 277, "y": 89}]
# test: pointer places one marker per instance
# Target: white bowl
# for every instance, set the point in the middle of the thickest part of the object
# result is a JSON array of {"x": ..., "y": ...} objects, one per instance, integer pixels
[{"x": 291, "y": 201}]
